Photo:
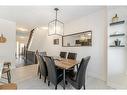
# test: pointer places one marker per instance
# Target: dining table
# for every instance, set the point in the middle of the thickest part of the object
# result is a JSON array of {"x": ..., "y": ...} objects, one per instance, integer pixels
[
  {"x": 10, "y": 86},
  {"x": 65, "y": 64}
]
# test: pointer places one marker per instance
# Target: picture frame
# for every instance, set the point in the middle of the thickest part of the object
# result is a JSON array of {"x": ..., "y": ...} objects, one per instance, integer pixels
[{"x": 56, "y": 41}]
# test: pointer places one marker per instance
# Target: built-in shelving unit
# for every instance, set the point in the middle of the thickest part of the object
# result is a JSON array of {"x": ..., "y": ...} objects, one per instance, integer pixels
[
  {"x": 117, "y": 23},
  {"x": 116, "y": 35},
  {"x": 117, "y": 46}
]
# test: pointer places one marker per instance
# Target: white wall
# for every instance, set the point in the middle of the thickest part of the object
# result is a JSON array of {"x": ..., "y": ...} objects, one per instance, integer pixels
[
  {"x": 43, "y": 42},
  {"x": 97, "y": 22},
  {"x": 7, "y": 50},
  {"x": 117, "y": 56}
]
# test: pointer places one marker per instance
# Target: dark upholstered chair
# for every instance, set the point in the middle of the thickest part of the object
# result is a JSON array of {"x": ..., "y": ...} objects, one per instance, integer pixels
[
  {"x": 6, "y": 70},
  {"x": 42, "y": 67},
  {"x": 63, "y": 54},
  {"x": 72, "y": 56},
  {"x": 53, "y": 76},
  {"x": 42, "y": 54},
  {"x": 37, "y": 62},
  {"x": 78, "y": 80}
]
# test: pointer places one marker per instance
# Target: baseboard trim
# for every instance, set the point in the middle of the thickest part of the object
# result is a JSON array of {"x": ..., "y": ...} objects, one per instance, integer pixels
[
  {"x": 115, "y": 86},
  {"x": 95, "y": 75}
]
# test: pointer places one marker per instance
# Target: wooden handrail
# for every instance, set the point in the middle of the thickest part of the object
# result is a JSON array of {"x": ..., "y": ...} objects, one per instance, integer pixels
[{"x": 30, "y": 37}]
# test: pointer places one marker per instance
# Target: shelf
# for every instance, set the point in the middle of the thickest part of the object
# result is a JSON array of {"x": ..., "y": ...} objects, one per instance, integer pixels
[
  {"x": 117, "y": 46},
  {"x": 115, "y": 35},
  {"x": 116, "y": 23}
]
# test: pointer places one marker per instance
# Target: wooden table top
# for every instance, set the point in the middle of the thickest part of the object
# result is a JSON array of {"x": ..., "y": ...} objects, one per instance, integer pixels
[
  {"x": 65, "y": 63},
  {"x": 10, "y": 86}
]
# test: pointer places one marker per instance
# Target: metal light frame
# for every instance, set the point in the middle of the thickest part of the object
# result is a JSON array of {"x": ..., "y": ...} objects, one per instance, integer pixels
[{"x": 55, "y": 23}]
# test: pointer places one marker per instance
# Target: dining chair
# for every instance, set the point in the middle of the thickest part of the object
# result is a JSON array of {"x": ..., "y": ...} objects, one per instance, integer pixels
[
  {"x": 36, "y": 52},
  {"x": 54, "y": 76},
  {"x": 6, "y": 70},
  {"x": 37, "y": 62},
  {"x": 78, "y": 80},
  {"x": 7, "y": 64},
  {"x": 42, "y": 67},
  {"x": 42, "y": 54},
  {"x": 63, "y": 54},
  {"x": 72, "y": 56}
]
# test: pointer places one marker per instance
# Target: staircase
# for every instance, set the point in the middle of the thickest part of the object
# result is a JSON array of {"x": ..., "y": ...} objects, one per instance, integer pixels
[
  {"x": 30, "y": 37},
  {"x": 29, "y": 55}
]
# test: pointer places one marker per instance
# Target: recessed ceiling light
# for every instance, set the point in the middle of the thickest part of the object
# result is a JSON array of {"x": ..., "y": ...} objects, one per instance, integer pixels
[
  {"x": 22, "y": 29},
  {"x": 45, "y": 28}
]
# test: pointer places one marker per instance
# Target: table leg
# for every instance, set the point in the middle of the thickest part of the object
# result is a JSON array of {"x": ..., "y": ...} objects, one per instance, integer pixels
[
  {"x": 63, "y": 78},
  {"x": 77, "y": 67}
]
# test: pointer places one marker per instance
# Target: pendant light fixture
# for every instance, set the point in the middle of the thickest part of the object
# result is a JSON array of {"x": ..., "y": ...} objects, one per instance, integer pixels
[{"x": 56, "y": 27}]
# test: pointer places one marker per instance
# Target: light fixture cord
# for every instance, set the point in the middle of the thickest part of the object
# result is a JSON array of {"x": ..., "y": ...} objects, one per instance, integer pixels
[{"x": 56, "y": 9}]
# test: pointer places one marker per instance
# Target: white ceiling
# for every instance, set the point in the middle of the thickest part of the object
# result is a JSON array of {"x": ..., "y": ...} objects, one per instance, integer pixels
[{"x": 32, "y": 16}]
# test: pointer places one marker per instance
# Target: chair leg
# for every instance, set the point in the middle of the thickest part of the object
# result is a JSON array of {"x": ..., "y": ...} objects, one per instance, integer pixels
[
  {"x": 45, "y": 80},
  {"x": 55, "y": 87},
  {"x": 84, "y": 87},
  {"x": 38, "y": 72},
  {"x": 40, "y": 76},
  {"x": 77, "y": 67},
  {"x": 48, "y": 83},
  {"x": 10, "y": 76},
  {"x": 66, "y": 82}
]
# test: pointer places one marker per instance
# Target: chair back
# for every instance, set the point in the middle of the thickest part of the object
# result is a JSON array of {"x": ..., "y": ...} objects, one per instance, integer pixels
[
  {"x": 42, "y": 65},
  {"x": 63, "y": 54},
  {"x": 36, "y": 57},
  {"x": 80, "y": 77},
  {"x": 72, "y": 55},
  {"x": 52, "y": 77},
  {"x": 43, "y": 53}
]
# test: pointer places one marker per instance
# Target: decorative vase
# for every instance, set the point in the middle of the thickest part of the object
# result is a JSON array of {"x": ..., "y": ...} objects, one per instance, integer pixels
[
  {"x": 115, "y": 18},
  {"x": 117, "y": 42}
]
